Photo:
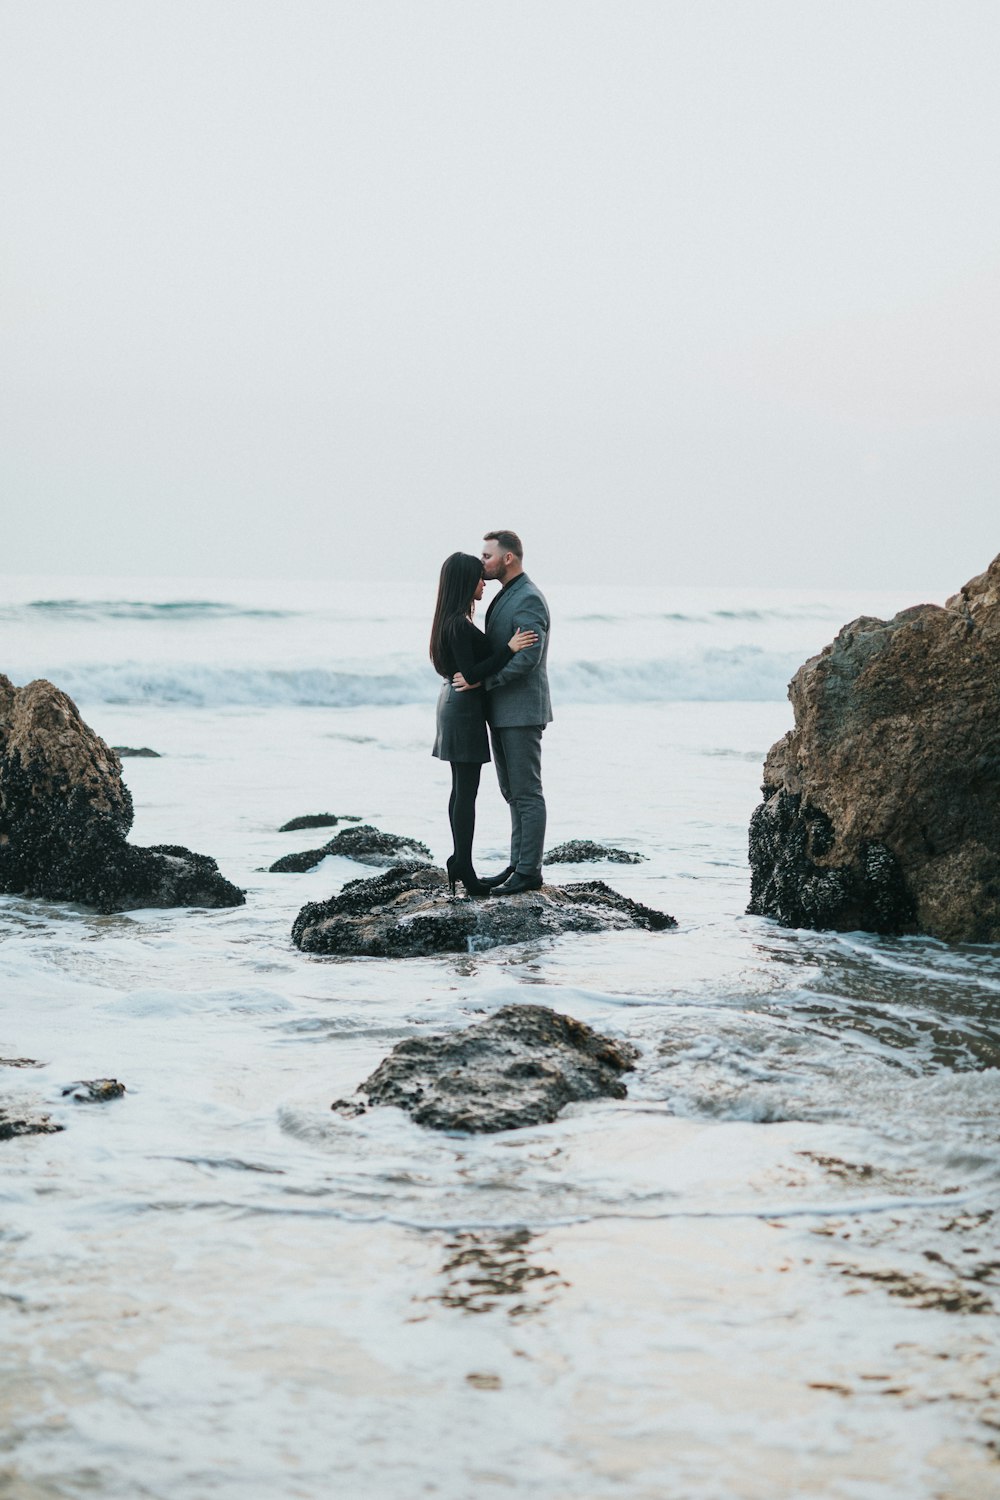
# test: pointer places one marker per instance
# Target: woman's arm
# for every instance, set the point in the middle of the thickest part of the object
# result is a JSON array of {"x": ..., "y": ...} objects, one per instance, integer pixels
[
  {"x": 473, "y": 658},
  {"x": 519, "y": 641}
]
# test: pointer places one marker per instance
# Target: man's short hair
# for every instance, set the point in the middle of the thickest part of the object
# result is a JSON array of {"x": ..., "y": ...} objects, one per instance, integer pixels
[{"x": 507, "y": 541}]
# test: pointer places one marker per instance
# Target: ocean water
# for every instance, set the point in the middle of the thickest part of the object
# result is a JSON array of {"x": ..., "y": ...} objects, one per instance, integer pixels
[{"x": 772, "y": 1271}]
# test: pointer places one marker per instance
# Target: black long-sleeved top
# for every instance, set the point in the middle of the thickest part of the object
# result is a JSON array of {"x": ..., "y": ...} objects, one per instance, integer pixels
[{"x": 467, "y": 650}]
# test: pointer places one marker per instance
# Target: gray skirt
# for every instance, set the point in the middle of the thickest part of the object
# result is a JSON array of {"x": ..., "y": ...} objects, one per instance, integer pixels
[{"x": 461, "y": 725}]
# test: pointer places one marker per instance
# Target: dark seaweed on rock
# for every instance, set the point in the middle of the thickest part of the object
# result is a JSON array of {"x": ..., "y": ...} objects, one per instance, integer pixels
[
  {"x": 520, "y": 1067},
  {"x": 359, "y": 897},
  {"x": 596, "y": 892},
  {"x": 65, "y": 814},
  {"x": 581, "y": 851},
  {"x": 365, "y": 844},
  {"x": 407, "y": 913},
  {"x": 361, "y": 921}
]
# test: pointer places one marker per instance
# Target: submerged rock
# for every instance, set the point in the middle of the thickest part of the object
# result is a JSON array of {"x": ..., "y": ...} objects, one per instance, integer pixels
[
  {"x": 317, "y": 820},
  {"x": 15, "y": 1120},
  {"x": 519, "y": 1067},
  {"x": 297, "y": 864},
  {"x": 145, "y": 753},
  {"x": 94, "y": 1090},
  {"x": 65, "y": 814},
  {"x": 408, "y": 912},
  {"x": 365, "y": 844},
  {"x": 881, "y": 807},
  {"x": 582, "y": 851}
]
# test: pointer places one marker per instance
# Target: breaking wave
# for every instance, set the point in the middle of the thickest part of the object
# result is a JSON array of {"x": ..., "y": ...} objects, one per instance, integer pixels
[
  {"x": 792, "y": 613},
  {"x": 744, "y": 673},
  {"x": 137, "y": 609}
]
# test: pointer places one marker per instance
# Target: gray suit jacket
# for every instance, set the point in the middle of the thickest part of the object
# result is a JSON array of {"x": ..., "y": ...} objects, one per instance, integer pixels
[{"x": 518, "y": 694}]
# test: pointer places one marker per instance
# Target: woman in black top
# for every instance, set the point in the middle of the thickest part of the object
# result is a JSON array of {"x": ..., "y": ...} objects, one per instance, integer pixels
[{"x": 458, "y": 646}]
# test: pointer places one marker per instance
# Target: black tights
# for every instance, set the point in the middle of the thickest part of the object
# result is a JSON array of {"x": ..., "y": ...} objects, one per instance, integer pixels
[{"x": 462, "y": 809}]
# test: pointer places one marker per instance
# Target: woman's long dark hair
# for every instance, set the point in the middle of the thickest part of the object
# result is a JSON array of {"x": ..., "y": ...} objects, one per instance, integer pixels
[{"x": 460, "y": 574}]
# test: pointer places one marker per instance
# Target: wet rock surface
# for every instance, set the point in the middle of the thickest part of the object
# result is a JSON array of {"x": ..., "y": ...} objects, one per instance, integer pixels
[
  {"x": 580, "y": 851},
  {"x": 368, "y": 845},
  {"x": 407, "y": 912},
  {"x": 317, "y": 820},
  {"x": 93, "y": 1090},
  {"x": 144, "y": 753},
  {"x": 19, "y": 1119},
  {"x": 65, "y": 814},
  {"x": 520, "y": 1067},
  {"x": 16, "y": 1120},
  {"x": 881, "y": 807}
]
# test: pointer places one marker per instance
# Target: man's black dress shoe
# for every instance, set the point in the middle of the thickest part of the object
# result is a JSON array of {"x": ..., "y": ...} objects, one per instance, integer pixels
[
  {"x": 518, "y": 883},
  {"x": 494, "y": 880}
]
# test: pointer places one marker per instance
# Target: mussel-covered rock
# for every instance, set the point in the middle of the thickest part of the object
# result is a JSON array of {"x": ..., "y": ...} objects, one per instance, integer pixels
[
  {"x": 367, "y": 845},
  {"x": 317, "y": 820},
  {"x": 408, "y": 912},
  {"x": 585, "y": 851}
]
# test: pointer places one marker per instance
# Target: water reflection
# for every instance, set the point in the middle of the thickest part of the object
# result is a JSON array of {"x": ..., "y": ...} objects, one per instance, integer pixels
[
  {"x": 484, "y": 1270},
  {"x": 930, "y": 1006}
]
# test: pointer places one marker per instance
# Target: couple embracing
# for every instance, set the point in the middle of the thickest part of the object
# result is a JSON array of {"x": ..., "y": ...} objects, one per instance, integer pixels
[{"x": 496, "y": 679}]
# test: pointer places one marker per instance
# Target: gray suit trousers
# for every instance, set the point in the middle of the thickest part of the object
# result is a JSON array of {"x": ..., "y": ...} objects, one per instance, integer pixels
[{"x": 517, "y": 755}]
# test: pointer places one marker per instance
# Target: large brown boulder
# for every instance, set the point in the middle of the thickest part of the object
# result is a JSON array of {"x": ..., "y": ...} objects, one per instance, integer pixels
[
  {"x": 881, "y": 807},
  {"x": 65, "y": 814}
]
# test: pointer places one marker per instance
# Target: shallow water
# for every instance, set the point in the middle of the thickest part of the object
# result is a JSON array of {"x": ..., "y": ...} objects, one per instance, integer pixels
[{"x": 771, "y": 1271}]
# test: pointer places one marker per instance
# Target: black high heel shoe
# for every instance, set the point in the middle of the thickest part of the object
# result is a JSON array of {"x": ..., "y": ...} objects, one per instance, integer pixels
[{"x": 473, "y": 885}]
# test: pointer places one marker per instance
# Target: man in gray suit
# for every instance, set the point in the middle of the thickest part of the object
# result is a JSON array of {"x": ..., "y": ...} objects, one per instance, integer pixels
[{"x": 518, "y": 708}]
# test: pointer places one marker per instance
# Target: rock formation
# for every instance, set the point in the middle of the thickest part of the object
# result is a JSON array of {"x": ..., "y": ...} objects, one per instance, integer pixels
[
  {"x": 65, "y": 813},
  {"x": 882, "y": 806},
  {"x": 519, "y": 1067},
  {"x": 407, "y": 912},
  {"x": 309, "y": 820},
  {"x": 583, "y": 851},
  {"x": 367, "y": 845},
  {"x": 93, "y": 1090},
  {"x": 317, "y": 820},
  {"x": 19, "y": 1118}
]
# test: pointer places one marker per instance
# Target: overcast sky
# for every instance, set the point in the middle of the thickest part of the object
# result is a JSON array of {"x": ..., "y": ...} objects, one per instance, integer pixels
[{"x": 692, "y": 290}]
